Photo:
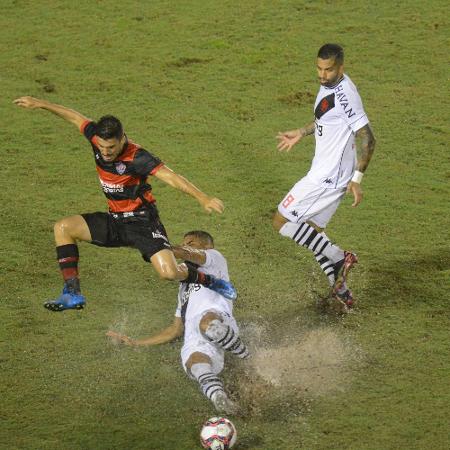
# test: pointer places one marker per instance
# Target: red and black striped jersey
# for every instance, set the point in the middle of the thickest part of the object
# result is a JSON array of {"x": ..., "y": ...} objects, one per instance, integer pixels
[{"x": 124, "y": 180}]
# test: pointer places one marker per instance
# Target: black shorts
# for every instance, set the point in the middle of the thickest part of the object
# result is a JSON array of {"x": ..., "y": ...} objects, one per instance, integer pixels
[{"x": 144, "y": 232}]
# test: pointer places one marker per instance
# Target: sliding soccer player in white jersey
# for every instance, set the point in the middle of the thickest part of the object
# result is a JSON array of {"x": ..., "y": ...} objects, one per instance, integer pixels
[
  {"x": 336, "y": 168},
  {"x": 206, "y": 318}
]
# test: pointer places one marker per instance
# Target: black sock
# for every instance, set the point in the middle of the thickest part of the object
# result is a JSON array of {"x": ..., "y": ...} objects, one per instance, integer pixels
[
  {"x": 196, "y": 277},
  {"x": 68, "y": 256}
]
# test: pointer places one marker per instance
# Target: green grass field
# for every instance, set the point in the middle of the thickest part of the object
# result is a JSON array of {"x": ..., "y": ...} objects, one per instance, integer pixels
[{"x": 206, "y": 85}]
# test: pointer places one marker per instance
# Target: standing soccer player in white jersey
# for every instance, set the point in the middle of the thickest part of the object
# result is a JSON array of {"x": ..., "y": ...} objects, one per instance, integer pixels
[
  {"x": 306, "y": 210},
  {"x": 206, "y": 318}
]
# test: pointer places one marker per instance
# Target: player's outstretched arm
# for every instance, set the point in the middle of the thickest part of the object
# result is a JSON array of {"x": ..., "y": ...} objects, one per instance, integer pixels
[
  {"x": 287, "y": 139},
  {"x": 167, "y": 335},
  {"x": 66, "y": 113},
  {"x": 365, "y": 148},
  {"x": 194, "y": 255},
  {"x": 210, "y": 204}
]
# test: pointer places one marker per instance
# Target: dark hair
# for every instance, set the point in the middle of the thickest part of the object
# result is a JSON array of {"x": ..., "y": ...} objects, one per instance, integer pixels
[
  {"x": 328, "y": 51},
  {"x": 202, "y": 235},
  {"x": 109, "y": 127}
]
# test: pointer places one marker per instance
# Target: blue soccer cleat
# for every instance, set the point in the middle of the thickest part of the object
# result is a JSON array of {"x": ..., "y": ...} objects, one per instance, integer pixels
[
  {"x": 222, "y": 287},
  {"x": 65, "y": 301}
]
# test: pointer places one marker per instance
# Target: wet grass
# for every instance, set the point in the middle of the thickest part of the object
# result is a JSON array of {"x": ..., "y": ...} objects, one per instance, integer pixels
[{"x": 206, "y": 86}]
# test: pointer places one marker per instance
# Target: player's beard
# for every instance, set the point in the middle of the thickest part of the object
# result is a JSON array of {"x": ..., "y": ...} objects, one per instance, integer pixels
[{"x": 331, "y": 83}]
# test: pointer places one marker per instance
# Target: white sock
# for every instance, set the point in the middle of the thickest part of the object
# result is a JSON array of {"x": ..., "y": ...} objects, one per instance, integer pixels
[
  {"x": 307, "y": 236},
  {"x": 209, "y": 382},
  {"x": 327, "y": 268}
]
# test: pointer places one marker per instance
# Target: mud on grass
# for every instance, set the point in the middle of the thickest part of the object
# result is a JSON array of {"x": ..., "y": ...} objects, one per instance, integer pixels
[{"x": 288, "y": 371}]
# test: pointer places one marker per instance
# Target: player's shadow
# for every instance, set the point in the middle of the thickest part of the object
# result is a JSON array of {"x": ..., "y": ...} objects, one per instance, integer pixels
[
  {"x": 409, "y": 280},
  {"x": 402, "y": 281}
]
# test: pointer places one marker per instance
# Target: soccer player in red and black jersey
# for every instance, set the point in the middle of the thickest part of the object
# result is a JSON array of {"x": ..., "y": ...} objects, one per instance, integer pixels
[{"x": 124, "y": 169}]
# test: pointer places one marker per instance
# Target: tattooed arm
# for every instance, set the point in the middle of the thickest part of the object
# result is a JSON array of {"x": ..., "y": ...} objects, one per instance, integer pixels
[
  {"x": 288, "y": 139},
  {"x": 308, "y": 129},
  {"x": 365, "y": 148}
]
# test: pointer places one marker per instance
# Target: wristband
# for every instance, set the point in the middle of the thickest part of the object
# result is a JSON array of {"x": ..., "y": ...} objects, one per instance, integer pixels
[{"x": 357, "y": 177}]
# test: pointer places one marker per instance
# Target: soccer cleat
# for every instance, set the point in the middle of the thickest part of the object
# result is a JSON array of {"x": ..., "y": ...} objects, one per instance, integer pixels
[
  {"x": 223, "y": 404},
  {"x": 222, "y": 287},
  {"x": 345, "y": 297},
  {"x": 342, "y": 268},
  {"x": 66, "y": 301}
]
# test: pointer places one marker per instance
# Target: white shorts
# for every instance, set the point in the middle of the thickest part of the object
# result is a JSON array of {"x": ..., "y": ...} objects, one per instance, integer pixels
[
  {"x": 309, "y": 201},
  {"x": 194, "y": 341}
]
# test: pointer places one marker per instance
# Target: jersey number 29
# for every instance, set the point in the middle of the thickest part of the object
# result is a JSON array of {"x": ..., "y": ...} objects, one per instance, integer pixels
[{"x": 319, "y": 129}]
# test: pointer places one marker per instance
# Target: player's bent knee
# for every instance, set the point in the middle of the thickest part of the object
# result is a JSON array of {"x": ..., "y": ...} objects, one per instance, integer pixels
[
  {"x": 278, "y": 221},
  {"x": 63, "y": 227},
  {"x": 168, "y": 273},
  {"x": 166, "y": 266},
  {"x": 207, "y": 319},
  {"x": 197, "y": 358},
  {"x": 72, "y": 228}
]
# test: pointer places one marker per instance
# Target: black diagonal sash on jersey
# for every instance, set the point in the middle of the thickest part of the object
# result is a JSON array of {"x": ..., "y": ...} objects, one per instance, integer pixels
[
  {"x": 325, "y": 105},
  {"x": 186, "y": 290}
]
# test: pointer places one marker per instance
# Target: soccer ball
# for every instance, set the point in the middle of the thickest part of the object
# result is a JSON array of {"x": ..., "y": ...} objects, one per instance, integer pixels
[{"x": 218, "y": 433}]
